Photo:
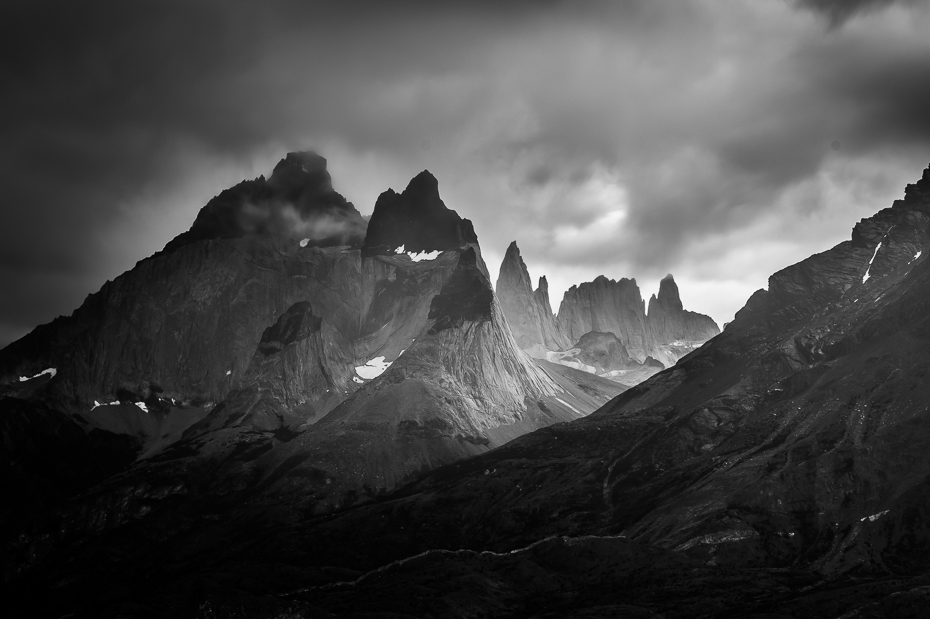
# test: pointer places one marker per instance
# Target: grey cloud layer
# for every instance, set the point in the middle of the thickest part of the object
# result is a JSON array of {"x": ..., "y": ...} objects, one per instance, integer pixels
[{"x": 703, "y": 113}]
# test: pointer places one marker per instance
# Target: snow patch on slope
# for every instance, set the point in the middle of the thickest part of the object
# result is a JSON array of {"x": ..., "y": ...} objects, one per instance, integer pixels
[
  {"x": 418, "y": 256},
  {"x": 564, "y": 403},
  {"x": 373, "y": 368},
  {"x": 865, "y": 277},
  {"x": 50, "y": 371},
  {"x": 564, "y": 358},
  {"x": 424, "y": 255},
  {"x": 873, "y": 517}
]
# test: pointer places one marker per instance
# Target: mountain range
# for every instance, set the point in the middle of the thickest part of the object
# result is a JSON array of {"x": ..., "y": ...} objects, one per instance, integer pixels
[
  {"x": 288, "y": 413},
  {"x": 602, "y": 326}
]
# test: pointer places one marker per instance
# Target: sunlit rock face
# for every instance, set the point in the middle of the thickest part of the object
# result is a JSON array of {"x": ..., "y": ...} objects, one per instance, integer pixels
[
  {"x": 646, "y": 342},
  {"x": 607, "y": 306},
  {"x": 673, "y": 330},
  {"x": 650, "y": 341},
  {"x": 528, "y": 312}
]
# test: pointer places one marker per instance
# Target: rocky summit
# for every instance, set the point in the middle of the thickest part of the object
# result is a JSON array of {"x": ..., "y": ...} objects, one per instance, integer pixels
[
  {"x": 416, "y": 220},
  {"x": 384, "y": 447},
  {"x": 594, "y": 312},
  {"x": 297, "y": 200},
  {"x": 528, "y": 312}
]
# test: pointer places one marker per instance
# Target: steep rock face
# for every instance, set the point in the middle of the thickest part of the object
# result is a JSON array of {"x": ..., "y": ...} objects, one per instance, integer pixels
[
  {"x": 528, "y": 312},
  {"x": 461, "y": 388},
  {"x": 665, "y": 334},
  {"x": 185, "y": 324},
  {"x": 416, "y": 219},
  {"x": 607, "y": 306},
  {"x": 298, "y": 200},
  {"x": 673, "y": 330}
]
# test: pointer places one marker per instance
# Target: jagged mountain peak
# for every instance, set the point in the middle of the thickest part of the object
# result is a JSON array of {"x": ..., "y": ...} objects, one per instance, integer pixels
[
  {"x": 603, "y": 280},
  {"x": 527, "y": 311},
  {"x": 513, "y": 267},
  {"x": 543, "y": 286},
  {"x": 665, "y": 333},
  {"x": 297, "y": 200},
  {"x": 416, "y": 219},
  {"x": 306, "y": 161},
  {"x": 299, "y": 171},
  {"x": 425, "y": 183},
  {"x": 668, "y": 293},
  {"x": 921, "y": 186}
]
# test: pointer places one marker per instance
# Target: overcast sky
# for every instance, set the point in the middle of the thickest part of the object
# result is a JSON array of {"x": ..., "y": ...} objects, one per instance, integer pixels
[{"x": 718, "y": 140}]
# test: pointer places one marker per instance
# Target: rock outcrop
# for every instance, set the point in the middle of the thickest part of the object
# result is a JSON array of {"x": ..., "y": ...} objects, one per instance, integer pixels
[
  {"x": 663, "y": 335},
  {"x": 528, "y": 312},
  {"x": 607, "y": 306},
  {"x": 417, "y": 220},
  {"x": 297, "y": 200},
  {"x": 649, "y": 341},
  {"x": 602, "y": 351},
  {"x": 673, "y": 330}
]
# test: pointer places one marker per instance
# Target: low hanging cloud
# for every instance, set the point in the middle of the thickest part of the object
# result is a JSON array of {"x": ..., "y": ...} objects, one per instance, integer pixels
[{"x": 283, "y": 218}]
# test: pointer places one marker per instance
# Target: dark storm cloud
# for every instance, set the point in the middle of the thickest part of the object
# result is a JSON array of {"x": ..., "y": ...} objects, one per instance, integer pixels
[
  {"x": 838, "y": 12},
  {"x": 542, "y": 120},
  {"x": 97, "y": 95}
]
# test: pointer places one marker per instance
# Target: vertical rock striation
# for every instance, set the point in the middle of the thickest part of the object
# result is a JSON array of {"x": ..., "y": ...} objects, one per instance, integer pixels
[
  {"x": 607, "y": 306},
  {"x": 528, "y": 313},
  {"x": 649, "y": 341},
  {"x": 673, "y": 330}
]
